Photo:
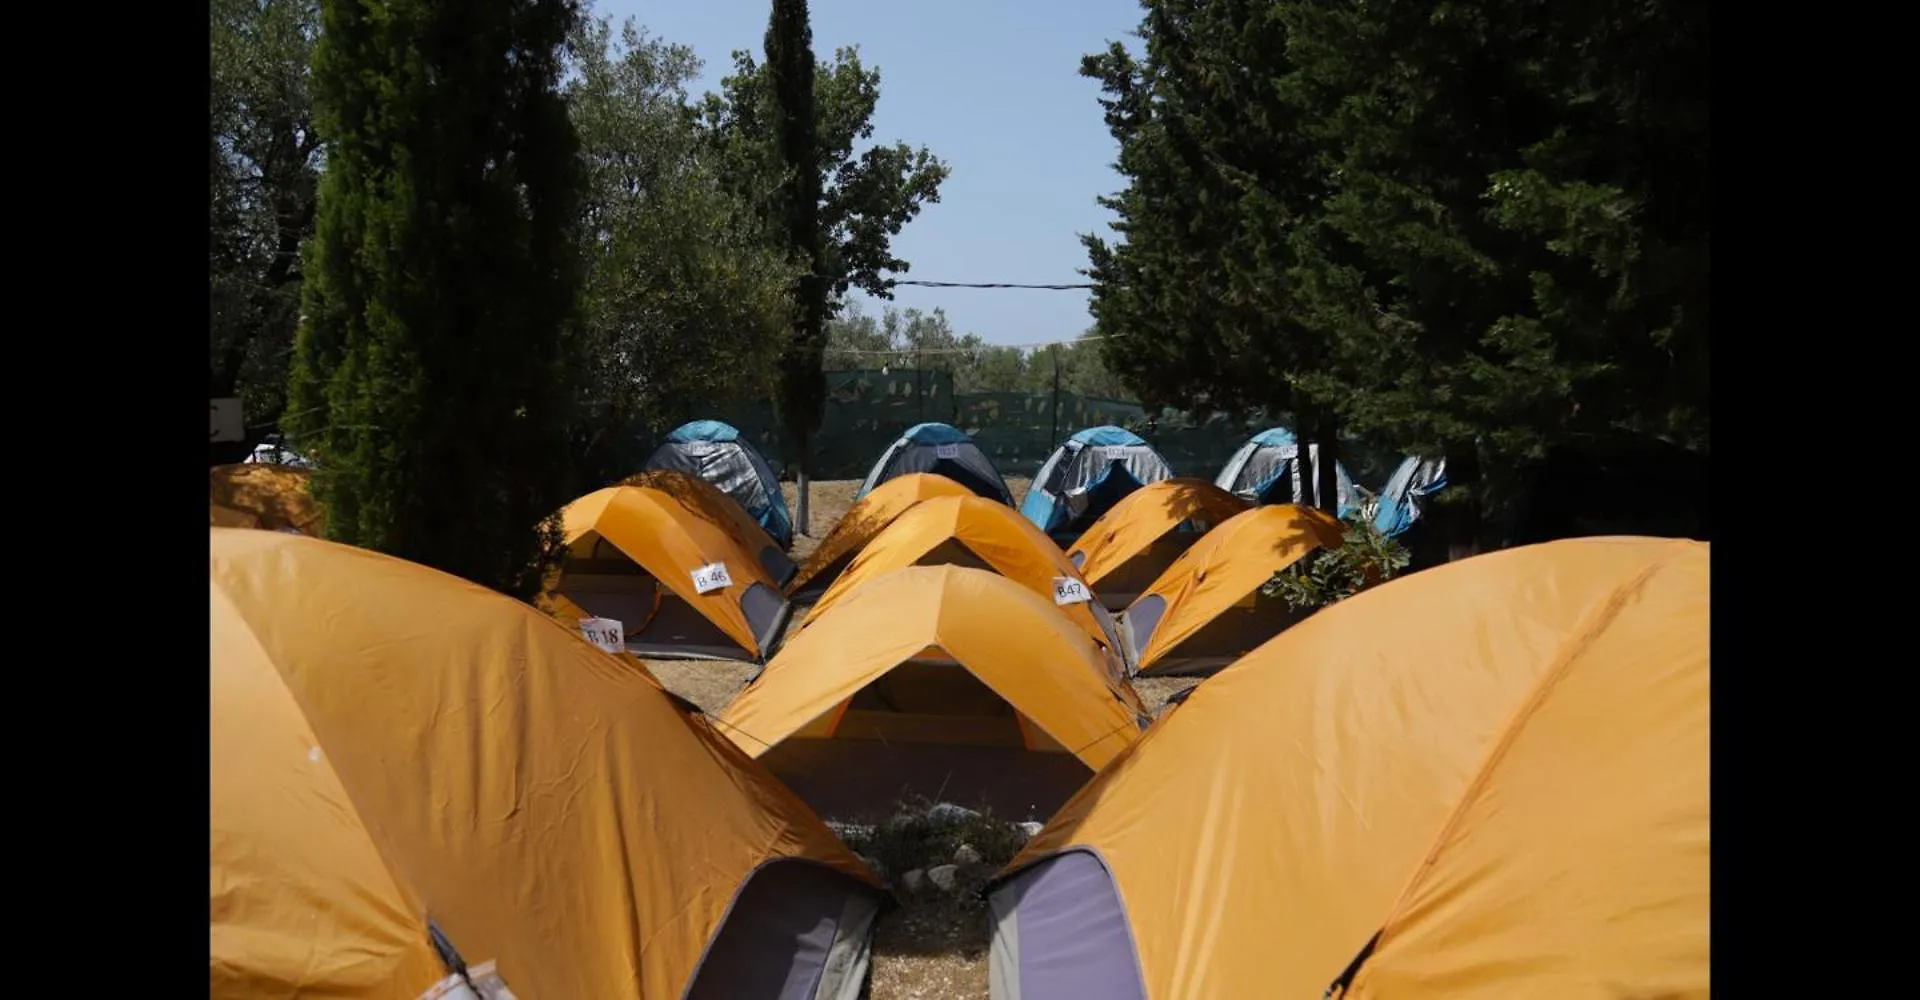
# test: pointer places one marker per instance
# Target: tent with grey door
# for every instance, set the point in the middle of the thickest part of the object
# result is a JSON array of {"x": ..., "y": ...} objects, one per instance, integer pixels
[
  {"x": 944, "y": 451},
  {"x": 717, "y": 453},
  {"x": 1404, "y": 499},
  {"x": 1263, "y": 471},
  {"x": 1093, "y": 470}
]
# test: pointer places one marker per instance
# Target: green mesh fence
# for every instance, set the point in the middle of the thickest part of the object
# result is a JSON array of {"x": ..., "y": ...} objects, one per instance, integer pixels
[{"x": 867, "y": 410}]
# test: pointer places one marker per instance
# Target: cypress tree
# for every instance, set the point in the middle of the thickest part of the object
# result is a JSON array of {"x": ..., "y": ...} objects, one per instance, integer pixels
[
  {"x": 802, "y": 385},
  {"x": 430, "y": 378}
]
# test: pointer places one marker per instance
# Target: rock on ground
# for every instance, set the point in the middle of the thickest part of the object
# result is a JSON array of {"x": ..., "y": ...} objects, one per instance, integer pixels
[
  {"x": 942, "y": 876},
  {"x": 948, "y": 812}
]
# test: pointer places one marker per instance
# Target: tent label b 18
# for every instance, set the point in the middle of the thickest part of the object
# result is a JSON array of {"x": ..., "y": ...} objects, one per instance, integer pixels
[
  {"x": 1067, "y": 590},
  {"x": 946, "y": 451},
  {"x": 711, "y": 577},
  {"x": 607, "y": 633}
]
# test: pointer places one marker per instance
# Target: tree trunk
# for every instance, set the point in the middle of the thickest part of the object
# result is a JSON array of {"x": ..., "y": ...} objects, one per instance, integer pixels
[
  {"x": 1461, "y": 517},
  {"x": 1326, "y": 466},
  {"x": 1303, "y": 463},
  {"x": 803, "y": 467}
]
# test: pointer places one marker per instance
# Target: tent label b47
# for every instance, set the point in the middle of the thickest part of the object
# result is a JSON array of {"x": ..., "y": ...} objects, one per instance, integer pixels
[
  {"x": 711, "y": 577},
  {"x": 1067, "y": 590}
]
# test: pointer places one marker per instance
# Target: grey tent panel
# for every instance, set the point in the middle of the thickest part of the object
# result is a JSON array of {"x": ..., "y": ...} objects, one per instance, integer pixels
[
  {"x": 1226, "y": 637},
  {"x": 964, "y": 463},
  {"x": 797, "y": 931},
  {"x": 736, "y": 469},
  {"x": 1265, "y": 472},
  {"x": 778, "y": 565},
  {"x": 766, "y": 610},
  {"x": 1078, "y": 483},
  {"x": 1061, "y": 933},
  {"x": 1140, "y": 620}
]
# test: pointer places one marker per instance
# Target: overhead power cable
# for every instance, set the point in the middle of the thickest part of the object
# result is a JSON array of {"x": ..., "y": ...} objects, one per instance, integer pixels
[
  {"x": 989, "y": 284},
  {"x": 907, "y": 350}
]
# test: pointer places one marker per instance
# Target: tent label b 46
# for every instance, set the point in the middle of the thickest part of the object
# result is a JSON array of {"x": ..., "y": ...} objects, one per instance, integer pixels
[
  {"x": 1067, "y": 590},
  {"x": 711, "y": 577}
]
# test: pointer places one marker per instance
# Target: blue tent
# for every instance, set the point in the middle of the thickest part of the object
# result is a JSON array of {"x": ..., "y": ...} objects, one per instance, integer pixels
[
  {"x": 1087, "y": 475},
  {"x": 944, "y": 451},
  {"x": 717, "y": 453},
  {"x": 1405, "y": 496},
  {"x": 1263, "y": 471}
]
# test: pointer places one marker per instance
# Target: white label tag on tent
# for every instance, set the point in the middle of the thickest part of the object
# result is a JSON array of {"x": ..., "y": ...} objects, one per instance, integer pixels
[
  {"x": 711, "y": 577},
  {"x": 486, "y": 985},
  {"x": 607, "y": 633},
  {"x": 1067, "y": 590},
  {"x": 946, "y": 451}
]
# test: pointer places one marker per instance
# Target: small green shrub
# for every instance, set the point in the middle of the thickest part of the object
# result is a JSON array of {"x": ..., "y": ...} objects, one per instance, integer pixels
[{"x": 1327, "y": 576}]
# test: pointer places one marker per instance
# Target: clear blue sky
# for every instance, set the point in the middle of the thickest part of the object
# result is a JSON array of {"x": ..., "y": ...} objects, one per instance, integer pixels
[{"x": 993, "y": 88}]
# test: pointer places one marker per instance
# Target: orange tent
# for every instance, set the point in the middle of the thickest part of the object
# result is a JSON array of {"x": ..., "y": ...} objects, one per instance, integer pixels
[
  {"x": 704, "y": 500},
  {"x": 632, "y": 552},
  {"x": 1132, "y": 544},
  {"x": 1206, "y": 609},
  {"x": 1488, "y": 779},
  {"x": 571, "y": 616},
  {"x": 945, "y": 675},
  {"x": 227, "y": 517},
  {"x": 276, "y": 497},
  {"x": 869, "y": 516},
  {"x": 397, "y": 753},
  {"x": 971, "y": 531}
]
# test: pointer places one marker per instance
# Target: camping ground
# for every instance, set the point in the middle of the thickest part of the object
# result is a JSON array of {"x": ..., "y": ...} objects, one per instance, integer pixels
[{"x": 935, "y": 944}]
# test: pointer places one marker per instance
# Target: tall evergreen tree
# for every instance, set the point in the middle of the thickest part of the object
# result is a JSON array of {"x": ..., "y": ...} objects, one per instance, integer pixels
[
  {"x": 802, "y": 385},
  {"x": 430, "y": 379},
  {"x": 1196, "y": 304},
  {"x": 1476, "y": 229},
  {"x": 1514, "y": 250}
]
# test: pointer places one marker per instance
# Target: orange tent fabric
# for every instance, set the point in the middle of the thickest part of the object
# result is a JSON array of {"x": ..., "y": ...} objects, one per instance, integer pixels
[
  {"x": 1229, "y": 563},
  {"x": 867, "y": 518},
  {"x": 227, "y": 517},
  {"x": 994, "y": 532},
  {"x": 1057, "y": 679},
  {"x": 278, "y": 497},
  {"x": 706, "y": 501},
  {"x": 1143, "y": 516},
  {"x": 390, "y": 743},
  {"x": 658, "y": 533},
  {"x": 1500, "y": 765},
  {"x": 570, "y": 615}
]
